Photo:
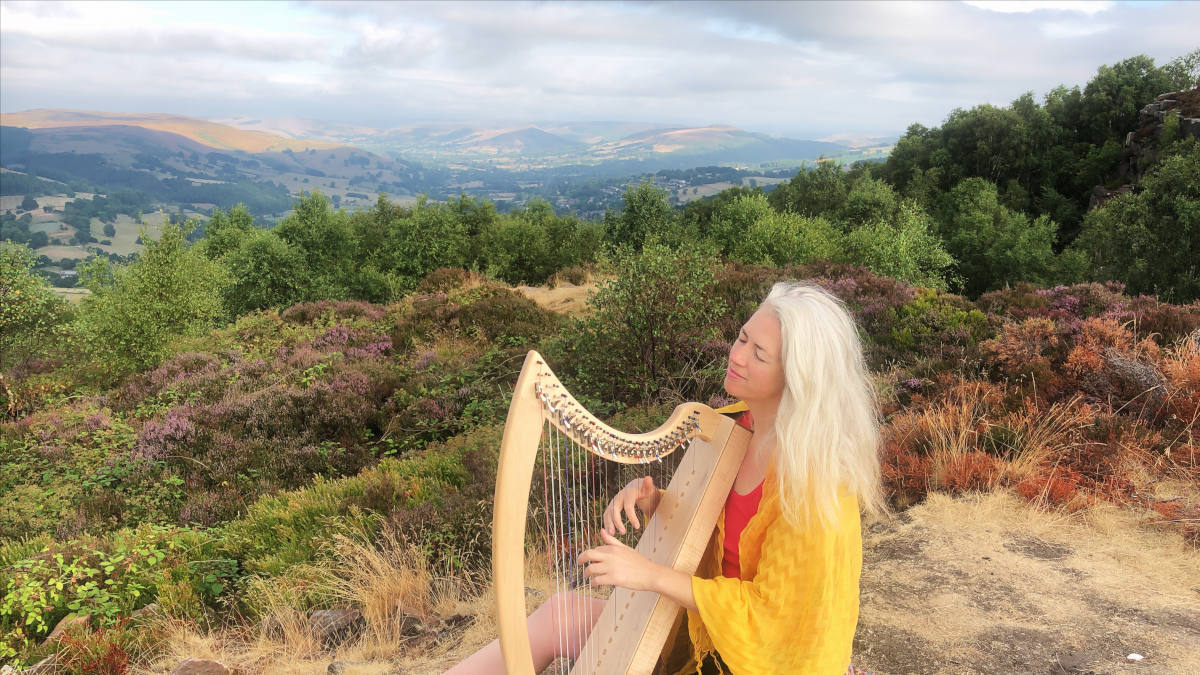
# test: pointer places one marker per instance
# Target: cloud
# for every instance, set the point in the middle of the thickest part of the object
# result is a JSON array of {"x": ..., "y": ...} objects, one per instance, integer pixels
[
  {"x": 799, "y": 68},
  {"x": 1025, "y": 6}
]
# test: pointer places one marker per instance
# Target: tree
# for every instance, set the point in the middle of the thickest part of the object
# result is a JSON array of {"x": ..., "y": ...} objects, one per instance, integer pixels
[
  {"x": 649, "y": 327},
  {"x": 813, "y": 192},
  {"x": 225, "y": 233},
  {"x": 110, "y": 230},
  {"x": 995, "y": 245},
  {"x": 1113, "y": 97},
  {"x": 646, "y": 212},
  {"x": 733, "y": 219},
  {"x": 135, "y": 310},
  {"x": 1184, "y": 71},
  {"x": 266, "y": 272},
  {"x": 29, "y": 203},
  {"x": 429, "y": 236},
  {"x": 30, "y": 312},
  {"x": 326, "y": 241},
  {"x": 902, "y": 247},
  {"x": 780, "y": 239},
  {"x": 1151, "y": 239}
]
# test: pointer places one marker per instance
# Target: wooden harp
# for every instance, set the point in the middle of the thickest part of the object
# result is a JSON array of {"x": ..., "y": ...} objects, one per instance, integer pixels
[{"x": 634, "y": 625}]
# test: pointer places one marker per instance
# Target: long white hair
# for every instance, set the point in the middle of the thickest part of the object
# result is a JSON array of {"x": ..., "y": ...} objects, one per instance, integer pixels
[{"x": 827, "y": 424}]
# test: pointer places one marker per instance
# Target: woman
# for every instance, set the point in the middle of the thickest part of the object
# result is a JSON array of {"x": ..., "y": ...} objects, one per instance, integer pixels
[{"x": 777, "y": 591}]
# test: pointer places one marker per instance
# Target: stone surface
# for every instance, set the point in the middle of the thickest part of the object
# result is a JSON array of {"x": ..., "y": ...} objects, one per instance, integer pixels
[
  {"x": 342, "y": 667},
  {"x": 200, "y": 667},
  {"x": 46, "y": 666},
  {"x": 68, "y": 622},
  {"x": 335, "y": 626}
]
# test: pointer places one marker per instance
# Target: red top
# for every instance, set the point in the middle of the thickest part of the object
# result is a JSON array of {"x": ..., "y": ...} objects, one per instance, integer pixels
[{"x": 738, "y": 511}]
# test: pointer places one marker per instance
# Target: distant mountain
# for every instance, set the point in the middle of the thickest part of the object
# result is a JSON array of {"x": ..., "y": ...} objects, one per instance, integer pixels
[
  {"x": 552, "y": 144},
  {"x": 203, "y": 164},
  {"x": 201, "y": 131}
]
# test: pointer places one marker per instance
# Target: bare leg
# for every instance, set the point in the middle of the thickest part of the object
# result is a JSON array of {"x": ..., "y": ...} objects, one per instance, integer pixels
[{"x": 557, "y": 628}]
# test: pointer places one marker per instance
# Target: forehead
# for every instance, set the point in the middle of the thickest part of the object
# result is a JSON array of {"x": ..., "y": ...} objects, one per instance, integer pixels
[{"x": 763, "y": 328}]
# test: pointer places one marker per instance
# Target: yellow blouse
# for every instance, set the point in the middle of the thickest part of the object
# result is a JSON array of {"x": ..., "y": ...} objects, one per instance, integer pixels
[{"x": 795, "y": 609}]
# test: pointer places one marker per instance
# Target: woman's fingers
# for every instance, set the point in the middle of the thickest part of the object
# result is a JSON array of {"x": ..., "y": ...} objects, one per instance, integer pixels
[
  {"x": 633, "y": 519},
  {"x": 646, "y": 488},
  {"x": 612, "y": 516}
]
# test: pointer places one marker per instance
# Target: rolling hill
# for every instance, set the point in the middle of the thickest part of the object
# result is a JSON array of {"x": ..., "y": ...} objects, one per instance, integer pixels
[{"x": 201, "y": 131}]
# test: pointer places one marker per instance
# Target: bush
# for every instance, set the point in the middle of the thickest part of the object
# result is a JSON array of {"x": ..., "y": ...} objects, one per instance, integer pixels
[
  {"x": 785, "y": 239},
  {"x": 905, "y": 248},
  {"x": 651, "y": 330},
  {"x": 32, "y": 317},
  {"x": 507, "y": 316},
  {"x": 443, "y": 280},
  {"x": 134, "y": 311}
]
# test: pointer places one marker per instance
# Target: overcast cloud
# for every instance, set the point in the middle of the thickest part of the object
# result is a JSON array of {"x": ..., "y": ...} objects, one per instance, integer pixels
[{"x": 806, "y": 70}]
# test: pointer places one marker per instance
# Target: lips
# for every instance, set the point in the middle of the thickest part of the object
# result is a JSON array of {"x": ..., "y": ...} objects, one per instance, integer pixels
[{"x": 729, "y": 373}]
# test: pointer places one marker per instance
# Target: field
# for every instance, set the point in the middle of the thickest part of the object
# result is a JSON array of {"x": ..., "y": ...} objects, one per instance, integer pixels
[{"x": 694, "y": 192}]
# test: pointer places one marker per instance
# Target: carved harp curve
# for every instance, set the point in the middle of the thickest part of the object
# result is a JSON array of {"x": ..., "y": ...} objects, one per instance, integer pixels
[{"x": 638, "y": 622}]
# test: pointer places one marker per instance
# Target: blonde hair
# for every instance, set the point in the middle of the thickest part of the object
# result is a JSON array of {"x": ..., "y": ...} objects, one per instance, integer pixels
[{"x": 827, "y": 424}]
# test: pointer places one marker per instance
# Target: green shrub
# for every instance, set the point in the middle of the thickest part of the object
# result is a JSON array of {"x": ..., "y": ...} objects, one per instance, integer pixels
[
  {"x": 105, "y": 578},
  {"x": 32, "y": 317},
  {"x": 905, "y": 248},
  {"x": 134, "y": 311},
  {"x": 785, "y": 239},
  {"x": 506, "y": 316},
  {"x": 651, "y": 330}
]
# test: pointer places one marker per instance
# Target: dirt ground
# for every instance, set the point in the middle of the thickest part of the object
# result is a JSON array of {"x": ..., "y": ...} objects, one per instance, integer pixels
[
  {"x": 565, "y": 299},
  {"x": 981, "y": 584},
  {"x": 985, "y": 584}
]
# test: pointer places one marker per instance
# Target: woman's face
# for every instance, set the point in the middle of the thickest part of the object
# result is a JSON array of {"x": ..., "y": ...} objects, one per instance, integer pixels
[{"x": 755, "y": 370}]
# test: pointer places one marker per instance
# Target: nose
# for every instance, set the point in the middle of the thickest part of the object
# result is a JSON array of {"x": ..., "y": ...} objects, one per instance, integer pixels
[{"x": 737, "y": 354}]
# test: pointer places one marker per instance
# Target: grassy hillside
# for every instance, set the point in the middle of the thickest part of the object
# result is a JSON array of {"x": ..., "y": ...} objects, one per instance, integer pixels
[
  {"x": 203, "y": 132},
  {"x": 219, "y": 484}
]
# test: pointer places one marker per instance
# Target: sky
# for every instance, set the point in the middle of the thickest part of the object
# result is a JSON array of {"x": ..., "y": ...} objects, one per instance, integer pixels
[{"x": 804, "y": 70}]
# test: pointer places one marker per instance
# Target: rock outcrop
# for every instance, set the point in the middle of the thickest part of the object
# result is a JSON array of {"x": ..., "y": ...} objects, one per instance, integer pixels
[{"x": 1143, "y": 144}]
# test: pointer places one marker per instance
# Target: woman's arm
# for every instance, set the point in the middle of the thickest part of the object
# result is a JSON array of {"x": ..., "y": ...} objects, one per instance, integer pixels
[{"x": 615, "y": 564}]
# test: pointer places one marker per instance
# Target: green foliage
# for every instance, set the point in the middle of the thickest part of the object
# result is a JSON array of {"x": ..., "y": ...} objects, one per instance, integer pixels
[
  {"x": 104, "y": 578},
  {"x": 32, "y": 317},
  {"x": 135, "y": 310},
  {"x": 325, "y": 240},
  {"x": 938, "y": 326},
  {"x": 786, "y": 239},
  {"x": 904, "y": 248},
  {"x": 225, "y": 233},
  {"x": 266, "y": 271},
  {"x": 1183, "y": 72},
  {"x": 646, "y": 213},
  {"x": 1112, "y": 99},
  {"x": 733, "y": 218},
  {"x": 650, "y": 329},
  {"x": 993, "y": 244},
  {"x": 429, "y": 237},
  {"x": 869, "y": 200},
  {"x": 1151, "y": 239},
  {"x": 813, "y": 192}
]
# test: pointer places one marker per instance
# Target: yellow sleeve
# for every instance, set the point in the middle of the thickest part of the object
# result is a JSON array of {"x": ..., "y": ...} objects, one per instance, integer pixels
[{"x": 799, "y": 613}]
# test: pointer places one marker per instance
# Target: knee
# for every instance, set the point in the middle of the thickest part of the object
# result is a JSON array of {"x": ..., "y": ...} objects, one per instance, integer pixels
[{"x": 568, "y": 613}]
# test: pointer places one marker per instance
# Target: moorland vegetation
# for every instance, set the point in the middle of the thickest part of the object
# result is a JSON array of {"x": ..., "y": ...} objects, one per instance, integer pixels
[{"x": 204, "y": 430}]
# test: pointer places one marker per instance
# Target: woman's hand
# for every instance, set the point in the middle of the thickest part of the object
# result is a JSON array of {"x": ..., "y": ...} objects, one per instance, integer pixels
[
  {"x": 640, "y": 493},
  {"x": 615, "y": 564}
]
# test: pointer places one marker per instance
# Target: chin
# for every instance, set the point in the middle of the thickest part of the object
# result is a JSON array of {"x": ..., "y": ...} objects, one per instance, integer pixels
[{"x": 731, "y": 387}]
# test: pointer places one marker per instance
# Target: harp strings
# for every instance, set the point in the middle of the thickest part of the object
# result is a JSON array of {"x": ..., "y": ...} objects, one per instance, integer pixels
[{"x": 577, "y": 486}]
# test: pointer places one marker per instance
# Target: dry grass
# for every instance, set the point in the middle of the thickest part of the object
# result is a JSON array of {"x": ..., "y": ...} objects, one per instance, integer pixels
[
  {"x": 982, "y": 583},
  {"x": 564, "y": 299},
  {"x": 985, "y": 583}
]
